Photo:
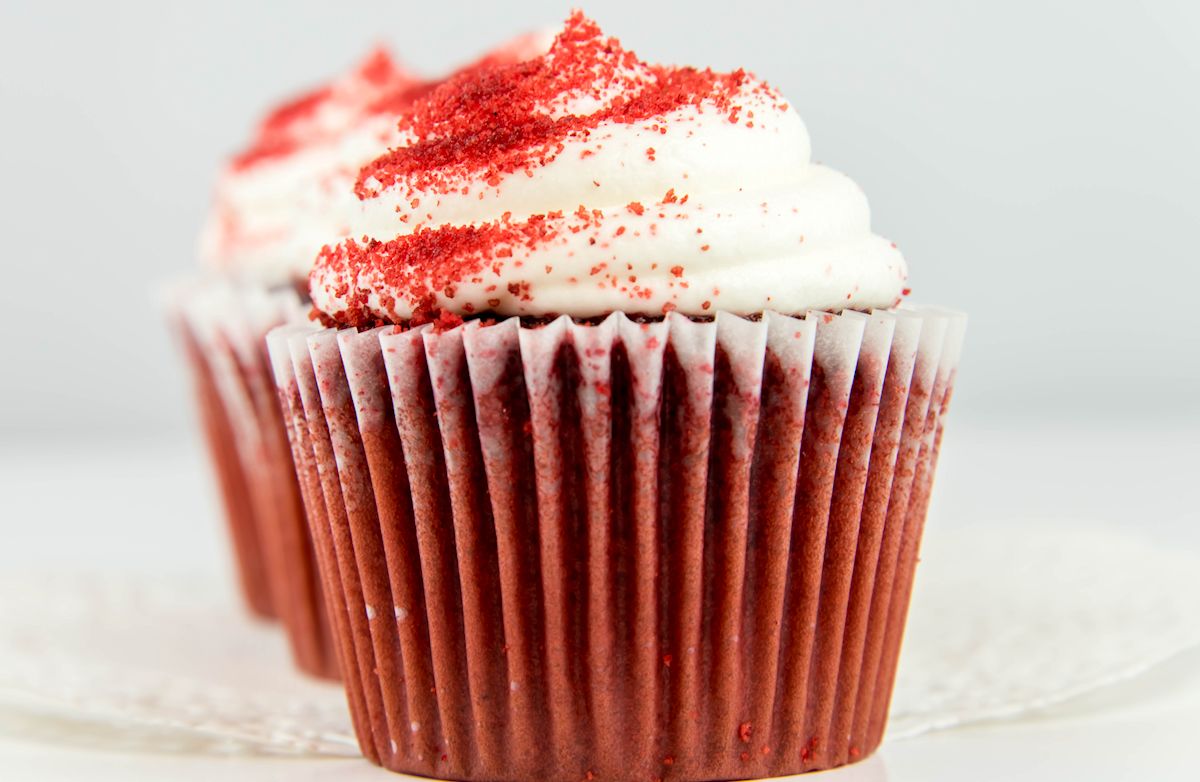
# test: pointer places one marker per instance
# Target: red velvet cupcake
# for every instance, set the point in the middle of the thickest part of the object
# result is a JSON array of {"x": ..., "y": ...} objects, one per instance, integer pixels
[
  {"x": 652, "y": 510},
  {"x": 277, "y": 202}
]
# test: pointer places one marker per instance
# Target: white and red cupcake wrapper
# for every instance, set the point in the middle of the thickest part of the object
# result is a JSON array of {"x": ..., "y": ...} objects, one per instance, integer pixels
[
  {"x": 222, "y": 327},
  {"x": 675, "y": 550}
]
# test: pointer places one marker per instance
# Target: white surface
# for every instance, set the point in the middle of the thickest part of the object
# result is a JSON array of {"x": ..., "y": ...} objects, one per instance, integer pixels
[
  {"x": 1028, "y": 157},
  {"x": 74, "y": 508}
]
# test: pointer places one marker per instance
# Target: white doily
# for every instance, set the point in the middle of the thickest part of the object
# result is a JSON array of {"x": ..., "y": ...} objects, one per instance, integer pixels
[
  {"x": 89, "y": 653},
  {"x": 1003, "y": 621},
  {"x": 1008, "y": 619}
]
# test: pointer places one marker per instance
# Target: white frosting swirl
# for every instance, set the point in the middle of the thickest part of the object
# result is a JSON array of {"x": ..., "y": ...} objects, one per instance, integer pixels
[
  {"x": 271, "y": 216},
  {"x": 272, "y": 213},
  {"x": 698, "y": 209}
]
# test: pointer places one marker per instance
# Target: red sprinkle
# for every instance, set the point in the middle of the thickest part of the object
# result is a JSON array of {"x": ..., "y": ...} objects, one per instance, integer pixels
[
  {"x": 493, "y": 121},
  {"x": 291, "y": 126},
  {"x": 377, "y": 86},
  {"x": 431, "y": 261}
]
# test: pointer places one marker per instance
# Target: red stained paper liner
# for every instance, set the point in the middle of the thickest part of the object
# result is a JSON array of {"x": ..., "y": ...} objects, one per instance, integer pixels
[
  {"x": 623, "y": 550},
  {"x": 222, "y": 329}
]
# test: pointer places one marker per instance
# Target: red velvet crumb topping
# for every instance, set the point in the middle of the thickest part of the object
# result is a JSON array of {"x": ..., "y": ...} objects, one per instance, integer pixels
[
  {"x": 490, "y": 122},
  {"x": 293, "y": 125}
]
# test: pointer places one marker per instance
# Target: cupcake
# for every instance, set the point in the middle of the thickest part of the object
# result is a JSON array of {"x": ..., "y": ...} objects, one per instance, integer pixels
[
  {"x": 619, "y": 437},
  {"x": 276, "y": 203}
]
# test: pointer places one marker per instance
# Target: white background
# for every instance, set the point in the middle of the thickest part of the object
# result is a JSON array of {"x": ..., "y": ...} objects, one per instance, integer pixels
[{"x": 1035, "y": 160}]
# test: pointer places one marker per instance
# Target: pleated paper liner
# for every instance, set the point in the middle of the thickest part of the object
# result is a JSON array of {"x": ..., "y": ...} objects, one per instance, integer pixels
[
  {"x": 231, "y": 479},
  {"x": 222, "y": 327},
  {"x": 678, "y": 550}
]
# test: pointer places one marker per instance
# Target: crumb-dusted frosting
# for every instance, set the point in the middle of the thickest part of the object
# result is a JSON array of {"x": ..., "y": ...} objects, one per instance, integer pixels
[
  {"x": 587, "y": 181},
  {"x": 327, "y": 112},
  {"x": 283, "y": 197}
]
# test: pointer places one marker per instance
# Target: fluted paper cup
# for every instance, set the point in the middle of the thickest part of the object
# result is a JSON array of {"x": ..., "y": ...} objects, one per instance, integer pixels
[
  {"x": 222, "y": 327},
  {"x": 662, "y": 550}
]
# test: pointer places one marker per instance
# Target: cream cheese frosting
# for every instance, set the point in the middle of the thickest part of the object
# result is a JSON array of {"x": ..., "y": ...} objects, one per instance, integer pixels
[
  {"x": 586, "y": 181},
  {"x": 279, "y": 201}
]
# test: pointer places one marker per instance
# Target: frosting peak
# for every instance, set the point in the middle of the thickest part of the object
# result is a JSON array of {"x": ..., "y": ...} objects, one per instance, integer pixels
[
  {"x": 490, "y": 123},
  {"x": 585, "y": 181}
]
